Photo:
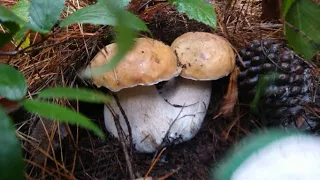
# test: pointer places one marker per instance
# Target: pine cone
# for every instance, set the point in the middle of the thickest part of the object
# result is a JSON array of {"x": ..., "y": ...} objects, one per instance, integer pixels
[{"x": 291, "y": 98}]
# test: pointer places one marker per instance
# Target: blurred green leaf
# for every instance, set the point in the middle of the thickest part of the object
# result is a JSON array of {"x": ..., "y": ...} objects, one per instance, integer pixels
[
  {"x": 122, "y": 3},
  {"x": 197, "y": 9},
  {"x": 302, "y": 27},
  {"x": 125, "y": 41},
  {"x": 86, "y": 95},
  {"x": 94, "y": 14},
  {"x": 62, "y": 114},
  {"x": 4, "y": 38},
  {"x": 126, "y": 28},
  {"x": 264, "y": 81},
  {"x": 44, "y": 14},
  {"x": 6, "y": 16},
  {"x": 11, "y": 162},
  {"x": 13, "y": 85},
  {"x": 19, "y": 36},
  {"x": 11, "y": 29},
  {"x": 119, "y": 3},
  {"x": 105, "y": 12},
  {"x": 10, "y": 22},
  {"x": 286, "y": 6},
  {"x": 21, "y": 9}
]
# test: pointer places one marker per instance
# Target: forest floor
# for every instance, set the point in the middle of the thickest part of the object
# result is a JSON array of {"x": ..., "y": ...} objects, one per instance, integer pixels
[{"x": 59, "y": 151}]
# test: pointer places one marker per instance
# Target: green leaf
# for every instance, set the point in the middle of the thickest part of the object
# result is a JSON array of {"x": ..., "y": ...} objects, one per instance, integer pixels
[
  {"x": 125, "y": 41},
  {"x": 21, "y": 9},
  {"x": 122, "y": 3},
  {"x": 109, "y": 13},
  {"x": 20, "y": 34},
  {"x": 11, "y": 28},
  {"x": 94, "y": 14},
  {"x": 44, "y": 14},
  {"x": 302, "y": 28},
  {"x": 82, "y": 94},
  {"x": 4, "y": 38},
  {"x": 10, "y": 21},
  {"x": 8, "y": 16},
  {"x": 198, "y": 10},
  {"x": 286, "y": 6},
  {"x": 11, "y": 162},
  {"x": 103, "y": 13},
  {"x": 56, "y": 112},
  {"x": 13, "y": 85},
  {"x": 127, "y": 26},
  {"x": 264, "y": 81},
  {"x": 118, "y": 3}
]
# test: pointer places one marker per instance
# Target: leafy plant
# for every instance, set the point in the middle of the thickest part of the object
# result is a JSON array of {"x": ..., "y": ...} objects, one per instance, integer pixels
[{"x": 13, "y": 87}]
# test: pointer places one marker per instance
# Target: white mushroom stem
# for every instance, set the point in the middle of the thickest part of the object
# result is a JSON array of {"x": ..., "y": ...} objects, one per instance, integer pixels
[
  {"x": 175, "y": 115},
  {"x": 190, "y": 99},
  {"x": 148, "y": 114}
]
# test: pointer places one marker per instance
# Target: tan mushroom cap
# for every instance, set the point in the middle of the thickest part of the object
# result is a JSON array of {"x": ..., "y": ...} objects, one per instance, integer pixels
[
  {"x": 204, "y": 56},
  {"x": 148, "y": 63}
]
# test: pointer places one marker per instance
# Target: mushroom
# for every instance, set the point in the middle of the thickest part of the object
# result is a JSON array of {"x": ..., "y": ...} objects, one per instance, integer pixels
[
  {"x": 148, "y": 63},
  {"x": 204, "y": 57},
  {"x": 175, "y": 112},
  {"x": 132, "y": 80}
]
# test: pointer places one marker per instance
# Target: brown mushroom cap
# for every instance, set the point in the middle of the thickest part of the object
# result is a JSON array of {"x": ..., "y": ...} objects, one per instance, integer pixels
[
  {"x": 148, "y": 63},
  {"x": 204, "y": 56}
]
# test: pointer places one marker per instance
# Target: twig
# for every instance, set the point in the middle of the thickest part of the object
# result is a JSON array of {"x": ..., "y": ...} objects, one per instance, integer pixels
[
  {"x": 14, "y": 53},
  {"x": 154, "y": 162},
  {"x": 20, "y": 43},
  {"x": 169, "y": 174},
  {"x": 122, "y": 140},
  {"x": 125, "y": 119}
]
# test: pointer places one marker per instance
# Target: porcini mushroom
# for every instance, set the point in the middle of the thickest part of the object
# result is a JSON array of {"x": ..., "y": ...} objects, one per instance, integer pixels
[
  {"x": 204, "y": 57},
  {"x": 133, "y": 79},
  {"x": 148, "y": 63},
  {"x": 175, "y": 112}
]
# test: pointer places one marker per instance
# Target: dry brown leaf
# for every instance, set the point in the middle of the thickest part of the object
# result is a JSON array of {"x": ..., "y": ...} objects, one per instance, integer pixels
[{"x": 231, "y": 97}]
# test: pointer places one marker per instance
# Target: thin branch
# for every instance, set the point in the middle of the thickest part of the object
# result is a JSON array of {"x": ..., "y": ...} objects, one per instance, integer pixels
[
  {"x": 20, "y": 43},
  {"x": 122, "y": 140},
  {"x": 14, "y": 53},
  {"x": 125, "y": 119},
  {"x": 154, "y": 162}
]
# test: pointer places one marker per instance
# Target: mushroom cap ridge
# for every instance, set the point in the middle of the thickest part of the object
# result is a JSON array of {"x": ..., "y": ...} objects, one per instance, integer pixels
[
  {"x": 149, "y": 62},
  {"x": 204, "y": 56}
]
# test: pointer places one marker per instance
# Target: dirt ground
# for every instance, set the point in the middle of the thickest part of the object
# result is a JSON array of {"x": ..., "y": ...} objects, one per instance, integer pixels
[{"x": 68, "y": 152}]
